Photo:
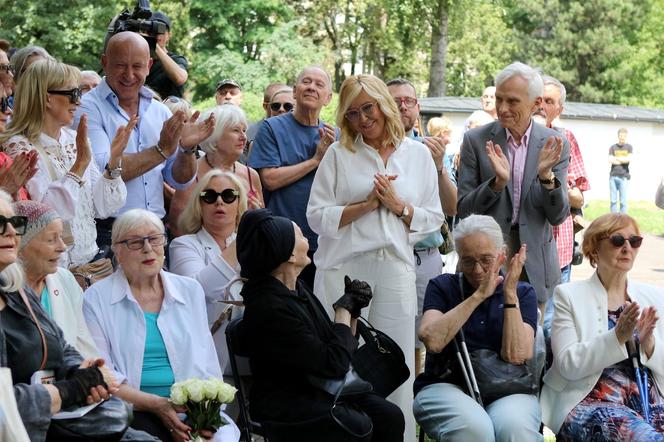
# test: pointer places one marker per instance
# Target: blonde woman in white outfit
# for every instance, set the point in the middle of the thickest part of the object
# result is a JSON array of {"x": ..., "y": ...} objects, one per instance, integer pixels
[{"x": 374, "y": 196}]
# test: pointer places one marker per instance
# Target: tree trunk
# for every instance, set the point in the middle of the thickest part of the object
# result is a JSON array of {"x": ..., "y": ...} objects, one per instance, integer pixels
[{"x": 438, "y": 50}]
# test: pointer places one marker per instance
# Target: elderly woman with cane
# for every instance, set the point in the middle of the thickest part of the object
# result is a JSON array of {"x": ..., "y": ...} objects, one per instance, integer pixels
[
  {"x": 496, "y": 312},
  {"x": 608, "y": 364}
]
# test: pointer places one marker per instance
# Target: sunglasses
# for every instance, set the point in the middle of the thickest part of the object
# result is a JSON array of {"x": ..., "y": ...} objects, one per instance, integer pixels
[
  {"x": 367, "y": 109},
  {"x": 228, "y": 196},
  {"x": 277, "y": 106},
  {"x": 619, "y": 240},
  {"x": 138, "y": 243},
  {"x": 19, "y": 223},
  {"x": 73, "y": 94},
  {"x": 9, "y": 68},
  {"x": 408, "y": 101},
  {"x": 4, "y": 104}
]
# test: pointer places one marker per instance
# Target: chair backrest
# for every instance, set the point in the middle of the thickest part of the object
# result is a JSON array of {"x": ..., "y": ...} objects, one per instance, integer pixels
[{"x": 238, "y": 355}]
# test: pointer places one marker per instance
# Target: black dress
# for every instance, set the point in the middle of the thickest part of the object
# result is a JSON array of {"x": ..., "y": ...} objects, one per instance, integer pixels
[{"x": 289, "y": 336}]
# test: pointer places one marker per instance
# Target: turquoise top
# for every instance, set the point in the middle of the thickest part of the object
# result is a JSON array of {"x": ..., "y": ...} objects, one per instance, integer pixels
[
  {"x": 46, "y": 302},
  {"x": 157, "y": 374}
]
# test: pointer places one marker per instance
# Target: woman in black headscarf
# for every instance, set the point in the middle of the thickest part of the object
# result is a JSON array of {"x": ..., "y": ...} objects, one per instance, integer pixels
[{"x": 290, "y": 337}]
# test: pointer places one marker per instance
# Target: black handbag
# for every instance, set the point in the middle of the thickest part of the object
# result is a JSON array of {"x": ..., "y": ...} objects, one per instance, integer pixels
[
  {"x": 107, "y": 422},
  {"x": 380, "y": 360},
  {"x": 497, "y": 378},
  {"x": 349, "y": 385}
]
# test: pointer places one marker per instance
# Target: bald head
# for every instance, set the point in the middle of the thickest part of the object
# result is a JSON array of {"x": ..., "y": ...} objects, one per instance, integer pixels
[{"x": 126, "y": 62}]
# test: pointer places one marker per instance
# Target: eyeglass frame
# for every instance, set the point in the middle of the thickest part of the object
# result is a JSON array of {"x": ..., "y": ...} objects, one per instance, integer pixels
[
  {"x": 7, "y": 67},
  {"x": 634, "y": 238},
  {"x": 74, "y": 94},
  {"x": 285, "y": 106},
  {"x": 367, "y": 109},
  {"x": 405, "y": 100},
  {"x": 217, "y": 195},
  {"x": 14, "y": 220},
  {"x": 142, "y": 241},
  {"x": 485, "y": 266}
]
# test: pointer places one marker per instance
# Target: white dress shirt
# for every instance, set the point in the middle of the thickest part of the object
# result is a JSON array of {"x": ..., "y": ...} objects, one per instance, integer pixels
[
  {"x": 346, "y": 177},
  {"x": 198, "y": 256},
  {"x": 99, "y": 196}
]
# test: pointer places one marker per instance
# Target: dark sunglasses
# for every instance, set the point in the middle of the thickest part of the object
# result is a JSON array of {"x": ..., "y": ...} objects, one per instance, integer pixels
[
  {"x": 9, "y": 68},
  {"x": 277, "y": 106},
  {"x": 19, "y": 223},
  {"x": 228, "y": 196},
  {"x": 4, "y": 104},
  {"x": 73, "y": 94},
  {"x": 619, "y": 240}
]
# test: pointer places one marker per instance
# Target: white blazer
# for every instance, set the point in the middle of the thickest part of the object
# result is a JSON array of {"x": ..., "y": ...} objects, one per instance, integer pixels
[
  {"x": 66, "y": 298},
  {"x": 583, "y": 346}
]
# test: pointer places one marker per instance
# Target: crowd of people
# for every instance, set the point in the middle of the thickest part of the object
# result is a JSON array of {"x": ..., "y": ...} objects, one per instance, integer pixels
[{"x": 163, "y": 209}]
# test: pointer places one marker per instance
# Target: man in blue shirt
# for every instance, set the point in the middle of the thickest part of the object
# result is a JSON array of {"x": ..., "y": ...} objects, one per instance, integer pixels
[
  {"x": 152, "y": 156},
  {"x": 288, "y": 149}
]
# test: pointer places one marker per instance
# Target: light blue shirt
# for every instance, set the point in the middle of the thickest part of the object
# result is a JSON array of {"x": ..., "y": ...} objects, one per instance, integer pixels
[
  {"x": 117, "y": 324},
  {"x": 105, "y": 116}
]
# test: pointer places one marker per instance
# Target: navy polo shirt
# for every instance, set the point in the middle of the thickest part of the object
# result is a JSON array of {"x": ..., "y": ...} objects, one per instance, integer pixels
[{"x": 484, "y": 328}]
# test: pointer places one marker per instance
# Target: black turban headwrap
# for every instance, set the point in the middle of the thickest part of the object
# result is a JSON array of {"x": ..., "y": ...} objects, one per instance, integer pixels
[{"x": 264, "y": 241}]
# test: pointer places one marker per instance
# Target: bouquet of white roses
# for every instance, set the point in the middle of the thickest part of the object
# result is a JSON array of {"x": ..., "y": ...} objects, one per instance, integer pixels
[{"x": 202, "y": 399}]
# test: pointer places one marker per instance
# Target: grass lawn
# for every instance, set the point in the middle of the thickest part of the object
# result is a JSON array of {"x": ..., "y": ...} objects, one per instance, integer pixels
[{"x": 649, "y": 216}]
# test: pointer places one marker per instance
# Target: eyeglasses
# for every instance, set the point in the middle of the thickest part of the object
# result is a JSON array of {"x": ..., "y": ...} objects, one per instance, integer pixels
[
  {"x": 19, "y": 223},
  {"x": 277, "y": 106},
  {"x": 138, "y": 243},
  {"x": 367, "y": 109},
  {"x": 619, "y": 240},
  {"x": 73, "y": 94},
  {"x": 9, "y": 68},
  {"x": 408, "y": 101},
  {"x": 4, "y": 104},
  {"x": 469, "y": 263},
  {"x": 228, "y": 196}
]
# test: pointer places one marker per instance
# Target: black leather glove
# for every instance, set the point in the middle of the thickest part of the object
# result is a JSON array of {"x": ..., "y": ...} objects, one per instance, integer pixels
[
  {"x": 357, "y": 295},
  {"x": 76, "y": 387}
]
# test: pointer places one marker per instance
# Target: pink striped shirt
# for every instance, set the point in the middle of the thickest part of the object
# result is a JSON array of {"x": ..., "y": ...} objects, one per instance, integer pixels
[{"x": 518, "y": 153}]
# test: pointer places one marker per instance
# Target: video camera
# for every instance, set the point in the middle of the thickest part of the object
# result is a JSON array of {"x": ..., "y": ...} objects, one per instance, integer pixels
[{"x": 138, "y": 21}]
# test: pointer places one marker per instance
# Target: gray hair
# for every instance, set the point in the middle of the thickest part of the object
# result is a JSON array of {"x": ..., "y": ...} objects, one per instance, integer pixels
[
  {"x": 93, "y": 74},
  {"x": 531, "y": 75},
  {"x": 479, "y": 224},
  {"x": 320, "y": 68},
  {"x": 549, "y": 80},
  {"x": 12, "y": 277},
  {"x": 132, "y": 220},
  {"x": 226, "y": 116},
  {"x": 21, "y": 56}
]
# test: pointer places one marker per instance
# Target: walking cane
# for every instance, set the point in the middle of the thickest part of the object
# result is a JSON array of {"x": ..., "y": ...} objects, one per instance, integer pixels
[
  {"x": 641, "y": 378},
  {"x": 467, "y": 367}
]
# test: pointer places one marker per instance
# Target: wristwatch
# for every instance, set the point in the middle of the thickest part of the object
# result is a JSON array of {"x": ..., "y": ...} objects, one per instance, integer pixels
[
  {"x": 115, "y": 172},
  {"x": 405, "y": 212}
]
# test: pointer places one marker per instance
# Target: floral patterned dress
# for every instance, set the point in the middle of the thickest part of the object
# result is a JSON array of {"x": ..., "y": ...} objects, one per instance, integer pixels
[{"x": 612, "y": 410}]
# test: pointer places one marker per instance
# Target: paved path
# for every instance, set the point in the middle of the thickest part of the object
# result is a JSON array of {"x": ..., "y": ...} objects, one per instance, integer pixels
[{"x": 648, "y": 268}]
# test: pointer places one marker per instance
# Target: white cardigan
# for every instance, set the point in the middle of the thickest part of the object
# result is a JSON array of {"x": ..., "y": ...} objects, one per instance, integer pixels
[
  {"x": 66, "y": 298},
  {"x": 583, "y": 346}
]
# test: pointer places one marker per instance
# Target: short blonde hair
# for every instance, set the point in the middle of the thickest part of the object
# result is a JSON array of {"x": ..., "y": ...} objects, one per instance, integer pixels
[
  {"x": 131, "y": 220},
  {"x": 602, "y": 228},
  {"x": 439, "y": 125},
  {"x": 191, "y": 220},
  {"x": 32, "y": 93},
  {"x": 226, "y": 116},
  {"x": 376, "y": 89}
]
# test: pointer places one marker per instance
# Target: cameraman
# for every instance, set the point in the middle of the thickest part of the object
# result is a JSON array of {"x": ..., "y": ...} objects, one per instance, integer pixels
[{"x": 169, "y": 70}]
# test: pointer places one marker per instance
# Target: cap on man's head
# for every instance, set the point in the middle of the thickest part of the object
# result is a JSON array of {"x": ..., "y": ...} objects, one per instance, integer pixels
[
  {"x": 228, "y": 81},
  {"x": 160, "y": 16}
]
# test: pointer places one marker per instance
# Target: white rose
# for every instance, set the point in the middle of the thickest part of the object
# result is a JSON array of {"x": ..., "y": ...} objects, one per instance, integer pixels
[
  {"x": 195, "y": 389},
  {"x": 178, "y": 394},
  {"x": 210, "y": 389},
  {"x": 225, "y": 393}
]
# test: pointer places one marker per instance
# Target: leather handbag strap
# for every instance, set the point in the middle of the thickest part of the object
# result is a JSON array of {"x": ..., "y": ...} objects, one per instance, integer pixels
[{"x": 25, "y": 300}]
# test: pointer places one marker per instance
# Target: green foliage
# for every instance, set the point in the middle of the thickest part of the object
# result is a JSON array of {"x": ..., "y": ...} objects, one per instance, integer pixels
[{"x": 650, "y": 217}]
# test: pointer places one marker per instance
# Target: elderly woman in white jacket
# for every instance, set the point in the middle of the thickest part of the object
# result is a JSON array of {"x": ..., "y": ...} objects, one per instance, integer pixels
[
  {"x": 56, "y": 288},
  {"x": 207, "y": 251},
  {"x": 591, "y": 391}
]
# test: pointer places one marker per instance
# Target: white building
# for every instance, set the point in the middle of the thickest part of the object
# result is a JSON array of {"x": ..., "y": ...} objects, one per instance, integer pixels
[{"x": 596, "y": 129}]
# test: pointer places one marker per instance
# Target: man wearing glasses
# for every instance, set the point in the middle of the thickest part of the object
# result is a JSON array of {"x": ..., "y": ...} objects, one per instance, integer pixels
[
  {"x": 6, "y": 74},
  {"x": 288, "y": 149},
  {"x": 428, "y": 262}
]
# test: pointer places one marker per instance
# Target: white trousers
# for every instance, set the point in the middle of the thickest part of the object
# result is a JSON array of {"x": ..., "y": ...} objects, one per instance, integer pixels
[{"x": 392, "y": 309}]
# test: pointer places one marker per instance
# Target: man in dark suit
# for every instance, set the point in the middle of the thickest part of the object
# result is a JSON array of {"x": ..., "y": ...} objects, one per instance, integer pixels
[{"x": 512, "y": 170}]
